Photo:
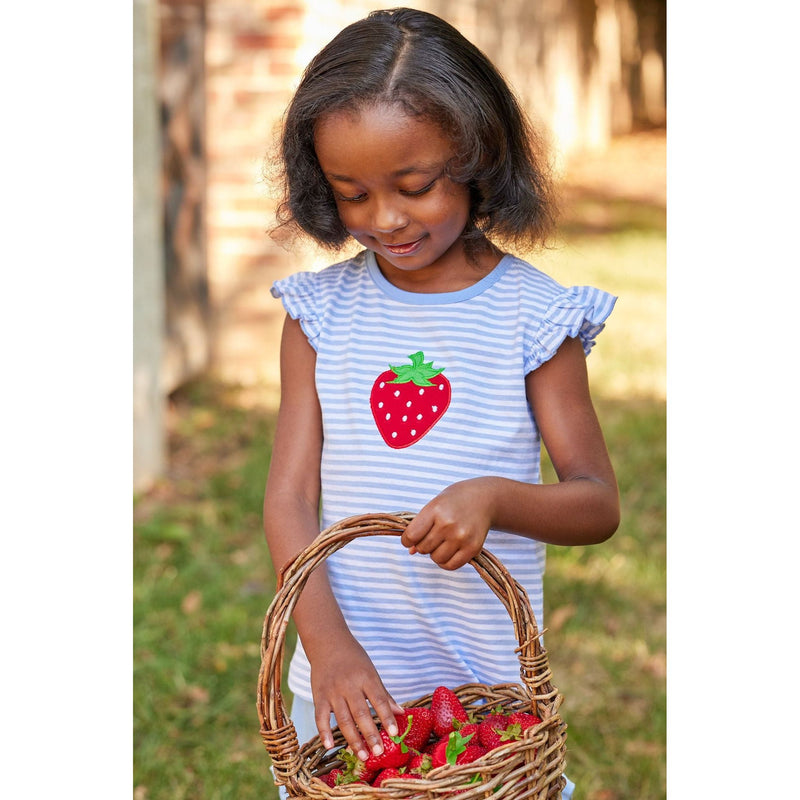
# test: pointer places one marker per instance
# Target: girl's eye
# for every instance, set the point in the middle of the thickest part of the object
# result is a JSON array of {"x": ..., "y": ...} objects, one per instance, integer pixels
[
  {"x": 423, "y": 190},
  {"x": 354, "y": 199}
]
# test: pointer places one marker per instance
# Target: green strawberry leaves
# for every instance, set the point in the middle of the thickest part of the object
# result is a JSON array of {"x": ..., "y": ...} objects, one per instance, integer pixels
[
  {"x": 418, "y": 372},
  {"x": 456, "y": 745}
]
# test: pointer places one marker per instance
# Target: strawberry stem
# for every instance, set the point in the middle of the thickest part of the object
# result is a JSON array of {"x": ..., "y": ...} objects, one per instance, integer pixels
[
  {"x": 456, "y": 745},
  {"x": 400, "y": 738}
]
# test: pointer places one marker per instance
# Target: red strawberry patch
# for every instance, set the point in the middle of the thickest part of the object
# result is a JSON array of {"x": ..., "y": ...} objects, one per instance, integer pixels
[
  {"x": 408, "y": 400},
  {"x": 385, "y": 774}
]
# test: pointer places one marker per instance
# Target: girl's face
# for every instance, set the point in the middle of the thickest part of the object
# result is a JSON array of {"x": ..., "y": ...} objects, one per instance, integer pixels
[{"x": 387, "y": 172}]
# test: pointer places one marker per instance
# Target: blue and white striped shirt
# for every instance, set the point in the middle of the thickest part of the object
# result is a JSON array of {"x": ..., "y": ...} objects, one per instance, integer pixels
[{"x": 421, "y": 625}]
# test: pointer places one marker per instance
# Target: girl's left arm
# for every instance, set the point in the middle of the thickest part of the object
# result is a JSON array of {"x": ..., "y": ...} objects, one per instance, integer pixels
[{"x": 582, "y": 508}]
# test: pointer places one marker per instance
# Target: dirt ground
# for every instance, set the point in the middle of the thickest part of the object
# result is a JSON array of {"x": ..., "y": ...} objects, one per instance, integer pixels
[{"x": 634, "y": 167}]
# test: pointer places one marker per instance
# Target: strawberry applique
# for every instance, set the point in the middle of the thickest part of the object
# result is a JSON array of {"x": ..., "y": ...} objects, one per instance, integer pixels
[{"x": 408, "y": 400}]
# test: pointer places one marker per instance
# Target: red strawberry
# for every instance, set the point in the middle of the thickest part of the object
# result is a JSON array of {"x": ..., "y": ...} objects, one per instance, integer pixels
[
  {"x": 472, "y": 752},
  {"x": 392, "y": 755},
  {"x": 419, "y": 765},
  {"x": 439, "y": 753},
  {"x": 332, "y": 778},
  {"x": 468, "y": 728},
  {"x": 524, "y": 720},
  {"x": 416, "y": 736},
  {"x": 492, "y": 730},
  {"x": 389, "y": 772},
  {"x": 450, "y": 749},
  {"x": 355, "y": 769},
  {"x": 408, "y": 400},
  {"x": 447, "y": 710}
]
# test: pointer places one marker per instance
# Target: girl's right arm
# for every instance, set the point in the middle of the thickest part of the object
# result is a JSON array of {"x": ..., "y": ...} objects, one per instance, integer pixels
[{"x": 343, "y": 679}]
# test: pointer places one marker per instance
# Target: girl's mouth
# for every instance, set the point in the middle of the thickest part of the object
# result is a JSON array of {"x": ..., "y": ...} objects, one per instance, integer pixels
[{"x": 407, "y": 248}]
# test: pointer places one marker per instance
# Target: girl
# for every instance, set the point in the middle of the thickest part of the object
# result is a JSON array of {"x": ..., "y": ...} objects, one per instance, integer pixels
[{"x": 423, "y": 373}]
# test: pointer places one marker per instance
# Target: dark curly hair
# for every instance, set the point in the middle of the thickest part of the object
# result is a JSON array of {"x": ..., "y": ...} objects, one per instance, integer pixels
[{"x": 420, "y": 61}]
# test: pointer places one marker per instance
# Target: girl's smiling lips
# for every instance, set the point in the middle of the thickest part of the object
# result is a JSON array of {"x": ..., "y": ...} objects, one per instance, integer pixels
[{"x": 403, "y": 249}]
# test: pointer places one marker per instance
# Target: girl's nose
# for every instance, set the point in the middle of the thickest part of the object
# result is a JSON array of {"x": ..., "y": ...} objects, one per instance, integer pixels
[{"x": 388, "y": 217}]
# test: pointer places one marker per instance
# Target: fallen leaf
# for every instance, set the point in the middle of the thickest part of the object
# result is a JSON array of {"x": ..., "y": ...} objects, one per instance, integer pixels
[
  {"x": 192, "y": 602},
  {"x": 656, "y": 665},
  {"x": 196, "y": 694}
]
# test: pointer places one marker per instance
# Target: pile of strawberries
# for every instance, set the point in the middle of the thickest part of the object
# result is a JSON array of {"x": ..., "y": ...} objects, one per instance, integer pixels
[{"x": 431, "y": 737}]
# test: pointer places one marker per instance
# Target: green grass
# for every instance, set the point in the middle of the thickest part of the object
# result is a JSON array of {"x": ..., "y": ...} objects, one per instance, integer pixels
[{"x": 203, "y": 578}]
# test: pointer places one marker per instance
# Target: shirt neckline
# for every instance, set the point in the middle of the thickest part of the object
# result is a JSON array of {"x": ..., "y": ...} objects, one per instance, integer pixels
[{"x": 435, "y": 298}]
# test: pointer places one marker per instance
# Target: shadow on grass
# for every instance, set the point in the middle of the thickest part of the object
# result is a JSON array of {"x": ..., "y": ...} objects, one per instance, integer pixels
[
  {"x": 591, "y": 213},
  {"x": 605, "y": 610}
]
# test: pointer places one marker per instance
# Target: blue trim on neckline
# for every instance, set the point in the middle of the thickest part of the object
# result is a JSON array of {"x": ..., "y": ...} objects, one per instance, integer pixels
[{"x": 435, "y": 298}]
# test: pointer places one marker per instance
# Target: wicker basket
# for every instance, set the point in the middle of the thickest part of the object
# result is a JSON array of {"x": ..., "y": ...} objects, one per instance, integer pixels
[{"x": 529, "y": 768}]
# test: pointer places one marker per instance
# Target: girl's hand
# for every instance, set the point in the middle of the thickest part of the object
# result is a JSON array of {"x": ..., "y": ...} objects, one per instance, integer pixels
[
  {"x": 452, "y": 527},
  {"x": 344, "y": 682}
]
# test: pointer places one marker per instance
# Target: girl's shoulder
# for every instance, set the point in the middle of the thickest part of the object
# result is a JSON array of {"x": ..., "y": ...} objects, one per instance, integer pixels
[
  {"x": 535, "y": 286},
  {"x": 541, "y": 288},
  {"x": 556, "y": 311},
  {"x": 307, "y": 295},
  {"x": 327, "y": 278}
]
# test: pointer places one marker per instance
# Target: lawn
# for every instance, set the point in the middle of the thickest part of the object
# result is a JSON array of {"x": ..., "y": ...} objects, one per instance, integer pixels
[{"x": 203, "y": 578}]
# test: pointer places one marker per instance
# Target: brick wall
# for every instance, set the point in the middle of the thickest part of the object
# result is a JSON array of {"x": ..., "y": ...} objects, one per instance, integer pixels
[{"x": 255, "y": 53}]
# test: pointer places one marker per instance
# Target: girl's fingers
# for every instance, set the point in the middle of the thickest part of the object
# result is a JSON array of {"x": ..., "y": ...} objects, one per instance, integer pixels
[
  {"x": 416, "y": 531},
  {"x": 386, "y": 709},
  {"x": 351, "y": 734},
  {"x": 444, "y": 553},
  {"x": 322, "y": 715}
]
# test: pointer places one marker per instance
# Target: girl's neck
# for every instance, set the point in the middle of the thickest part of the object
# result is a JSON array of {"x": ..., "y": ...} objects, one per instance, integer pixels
[{"x": 461, "y": 269}]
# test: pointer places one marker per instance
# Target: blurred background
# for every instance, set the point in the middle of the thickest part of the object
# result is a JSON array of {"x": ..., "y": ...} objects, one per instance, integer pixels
[{"x": 211, "y": 80}]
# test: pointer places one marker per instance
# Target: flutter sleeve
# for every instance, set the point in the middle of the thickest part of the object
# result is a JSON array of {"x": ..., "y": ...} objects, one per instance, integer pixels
[
  {"x": 301, "y": 301},
  {"x": 577, "y": 312}
]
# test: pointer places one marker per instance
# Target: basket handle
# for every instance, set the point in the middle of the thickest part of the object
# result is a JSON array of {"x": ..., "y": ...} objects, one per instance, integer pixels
[{"x": 277, "y": 730}]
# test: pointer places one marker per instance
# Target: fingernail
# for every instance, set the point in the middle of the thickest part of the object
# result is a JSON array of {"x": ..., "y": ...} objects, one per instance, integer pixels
[
  {"x": 363, "y": 755},
  {"x": 377, "y": 749},
  {"x": 393, "y": 730}
]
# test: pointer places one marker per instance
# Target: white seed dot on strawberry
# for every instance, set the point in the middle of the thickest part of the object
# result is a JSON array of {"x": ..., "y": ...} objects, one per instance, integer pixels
[
  {"x": 422, "y": 391},
  {"x": 405, "y": 418},
  {"x": 397, "y": 393},
  {"x": 434, "y": 409},
  {"x": 388, "y": 416},
  {"x": 408, "y": 404},
  {"x": 419, "y": 416},
  {"x": 413, "y": 432},
  {"x": 394, "y": 434},
  {"x": 380, "y": 405},
  {"x": 383, "y": 383}
]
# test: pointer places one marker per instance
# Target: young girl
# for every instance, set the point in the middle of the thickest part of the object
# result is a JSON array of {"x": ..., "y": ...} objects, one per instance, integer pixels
[{"x": 423, "y": 374}]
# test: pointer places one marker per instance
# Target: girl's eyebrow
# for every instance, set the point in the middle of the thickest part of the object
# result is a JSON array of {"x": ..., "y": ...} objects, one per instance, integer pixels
[{"x": 400, "y": 173}]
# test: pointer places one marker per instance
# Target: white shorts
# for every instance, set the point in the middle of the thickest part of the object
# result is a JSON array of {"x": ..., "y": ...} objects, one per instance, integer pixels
[{"x": 302, "y": 715}]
